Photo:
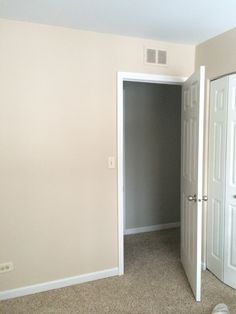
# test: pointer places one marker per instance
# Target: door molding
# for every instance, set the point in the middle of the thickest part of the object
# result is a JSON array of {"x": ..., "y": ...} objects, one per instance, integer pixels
[{"x": 121, "y": 78}]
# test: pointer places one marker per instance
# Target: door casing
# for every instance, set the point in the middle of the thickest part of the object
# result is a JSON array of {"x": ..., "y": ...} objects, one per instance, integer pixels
[{"x": 132, "y": 77}]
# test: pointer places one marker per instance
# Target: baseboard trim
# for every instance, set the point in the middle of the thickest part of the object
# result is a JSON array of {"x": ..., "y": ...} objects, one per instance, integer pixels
[
  {"x": 152, "y": 228},
  {"x": 204, "y": 266},
  {"x": 60, "y": 283}
]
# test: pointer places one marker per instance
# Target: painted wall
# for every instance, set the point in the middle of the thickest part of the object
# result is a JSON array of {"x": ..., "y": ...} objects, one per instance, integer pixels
[
  {"x": 152, "y": 153},
  {"x": 58, "y": 198},
  {"x": 218, "y": 55}
]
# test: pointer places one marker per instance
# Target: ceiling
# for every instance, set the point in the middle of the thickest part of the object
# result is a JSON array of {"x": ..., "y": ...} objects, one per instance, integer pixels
[{"x": 183, "y": 21}]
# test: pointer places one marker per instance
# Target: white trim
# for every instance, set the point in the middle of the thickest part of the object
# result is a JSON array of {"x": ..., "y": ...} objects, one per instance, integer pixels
[
  {"x": 149, "y": 78},
  {"x": 152, "y": 228},
  {"x": 50, "y": 285},
  {"x": 200, "y": 180},
  {"x": 204, "y": 266},
  {"x": 134, "y": 77}
]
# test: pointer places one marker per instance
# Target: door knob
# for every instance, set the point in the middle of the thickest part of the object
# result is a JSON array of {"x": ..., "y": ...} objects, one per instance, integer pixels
[{"x": 192, "y": 198}]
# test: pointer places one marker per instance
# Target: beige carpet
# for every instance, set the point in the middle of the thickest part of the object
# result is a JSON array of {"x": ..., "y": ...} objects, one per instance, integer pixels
[{"x": 154, "y": 282}]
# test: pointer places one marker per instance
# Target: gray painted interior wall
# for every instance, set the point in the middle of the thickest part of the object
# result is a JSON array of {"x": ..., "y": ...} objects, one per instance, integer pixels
[{"x": 152, "y": 116}]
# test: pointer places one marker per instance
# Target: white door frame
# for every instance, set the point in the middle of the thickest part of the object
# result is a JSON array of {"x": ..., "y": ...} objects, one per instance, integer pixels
[{"x": 131, "y": 77}]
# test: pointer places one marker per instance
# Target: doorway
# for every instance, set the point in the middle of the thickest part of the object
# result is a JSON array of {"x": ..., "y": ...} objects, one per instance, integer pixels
[
  {"x": 130, "y": 77},
  {"x": 152, "y": 141},
  {"x": 191, "y": 180}
]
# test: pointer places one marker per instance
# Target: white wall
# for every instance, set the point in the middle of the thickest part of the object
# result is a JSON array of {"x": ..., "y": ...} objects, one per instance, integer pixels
[{"x": 57, "y": 127}]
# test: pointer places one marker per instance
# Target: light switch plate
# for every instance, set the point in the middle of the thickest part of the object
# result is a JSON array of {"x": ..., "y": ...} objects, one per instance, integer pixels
[{"x": 111, "y": 162}]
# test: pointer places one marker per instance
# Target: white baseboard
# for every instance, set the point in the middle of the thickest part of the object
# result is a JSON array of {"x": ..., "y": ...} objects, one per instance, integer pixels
[
  {"x": 152, "y": 228},
  {"x": 60, "y": 283},
  {"x": 204, "y": 266}
]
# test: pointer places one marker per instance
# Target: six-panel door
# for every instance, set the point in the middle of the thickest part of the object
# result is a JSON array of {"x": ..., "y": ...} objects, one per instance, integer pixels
[{"x": 191, "y": 178}]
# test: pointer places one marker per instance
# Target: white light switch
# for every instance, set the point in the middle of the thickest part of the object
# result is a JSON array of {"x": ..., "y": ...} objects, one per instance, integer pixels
[{"x": 111, "y": 162}]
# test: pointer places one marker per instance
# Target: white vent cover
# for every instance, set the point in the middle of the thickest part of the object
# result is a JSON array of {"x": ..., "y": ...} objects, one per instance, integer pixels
[
  {"x": 151, "y": 56},
  {"x": 155, "y": 56},
  {"x": 161, "y": 57}
]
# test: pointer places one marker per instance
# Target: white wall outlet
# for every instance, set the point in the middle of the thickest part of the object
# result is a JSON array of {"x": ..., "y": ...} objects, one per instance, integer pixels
[
  {"x": 5, "y": 267},
  {"x": 111, "y": 162}
]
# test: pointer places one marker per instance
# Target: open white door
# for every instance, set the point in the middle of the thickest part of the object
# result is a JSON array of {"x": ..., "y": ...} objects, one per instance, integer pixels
[{"x": 191, "y": 178}]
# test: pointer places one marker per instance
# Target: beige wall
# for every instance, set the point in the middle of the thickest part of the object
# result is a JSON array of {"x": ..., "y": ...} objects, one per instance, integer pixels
[
  {"x": 219, "y": 56},
  {"x": 58, "y": 199}
]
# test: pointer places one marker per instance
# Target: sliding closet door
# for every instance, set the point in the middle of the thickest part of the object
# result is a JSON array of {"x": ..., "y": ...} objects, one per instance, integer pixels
[
  {"x": 216, "y": 180},
  {"x": 230, "y": 204}
]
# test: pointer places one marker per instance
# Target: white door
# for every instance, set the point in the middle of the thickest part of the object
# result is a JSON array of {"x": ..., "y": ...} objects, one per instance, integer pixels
[
  {"x": 230, "y": 199},
  {"x": 191, "y": 178},
  {"x": 216, "y": 175}
]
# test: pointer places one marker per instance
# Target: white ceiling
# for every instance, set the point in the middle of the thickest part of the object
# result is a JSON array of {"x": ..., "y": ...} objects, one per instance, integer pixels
[{"x": 184, "y": 21}]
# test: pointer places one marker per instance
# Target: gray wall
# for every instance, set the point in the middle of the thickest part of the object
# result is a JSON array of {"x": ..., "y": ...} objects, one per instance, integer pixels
[{"x": 152, "y": 153}]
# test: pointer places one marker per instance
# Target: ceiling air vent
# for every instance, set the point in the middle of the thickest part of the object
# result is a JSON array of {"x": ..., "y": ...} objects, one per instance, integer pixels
[{"x": 155, "y": 56}]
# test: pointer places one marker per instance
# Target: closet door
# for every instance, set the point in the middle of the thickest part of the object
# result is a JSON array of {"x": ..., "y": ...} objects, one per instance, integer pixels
[
  {"x": 230, "y": 204},
  {"x": 216, "y": 179}
]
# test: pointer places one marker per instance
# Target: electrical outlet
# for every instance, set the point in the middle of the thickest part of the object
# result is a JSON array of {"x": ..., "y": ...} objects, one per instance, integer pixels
[{"x": 5, "y": 267}]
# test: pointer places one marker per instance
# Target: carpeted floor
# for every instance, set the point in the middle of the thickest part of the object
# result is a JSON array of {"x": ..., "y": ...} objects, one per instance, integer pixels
[{"x": 154, "y": 282}]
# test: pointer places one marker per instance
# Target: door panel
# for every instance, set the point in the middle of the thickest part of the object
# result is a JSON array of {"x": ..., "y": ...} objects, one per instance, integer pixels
[
  {"x": 216, "y": 240},
  {"x": 219, "y": 130},
  {"x": 230, "y": 206},
  {"x": 191, "y": 178},
  {"x": 216, "y": 178}
]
